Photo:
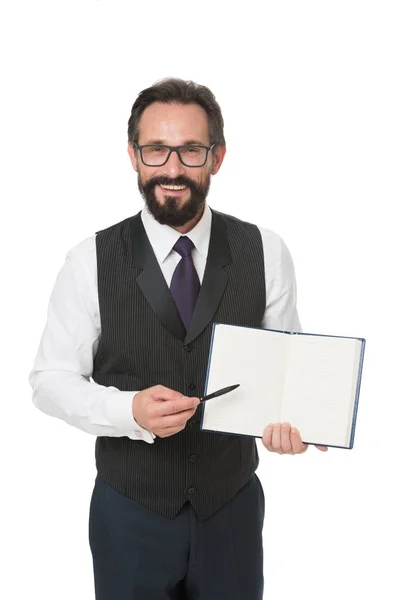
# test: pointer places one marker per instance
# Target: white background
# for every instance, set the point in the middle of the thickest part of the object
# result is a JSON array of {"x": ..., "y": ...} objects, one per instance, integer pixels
[{"x": 309, "y": 94}]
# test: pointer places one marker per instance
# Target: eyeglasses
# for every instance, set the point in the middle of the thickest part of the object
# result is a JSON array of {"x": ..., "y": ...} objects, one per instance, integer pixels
[{"x": 158, "y": 155}]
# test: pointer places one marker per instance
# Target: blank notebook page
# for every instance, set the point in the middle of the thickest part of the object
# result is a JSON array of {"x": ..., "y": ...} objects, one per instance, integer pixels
[
  {"x": 252, "y": 359},
  {"x": 320, "y": 386}
]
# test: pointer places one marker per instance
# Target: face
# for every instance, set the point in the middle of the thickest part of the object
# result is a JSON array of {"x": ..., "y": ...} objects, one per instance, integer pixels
[{"x": 175, "y": 125}]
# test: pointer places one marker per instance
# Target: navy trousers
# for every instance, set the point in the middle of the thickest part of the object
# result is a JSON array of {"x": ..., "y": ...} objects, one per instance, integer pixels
[{"x": 140, "y": 555}]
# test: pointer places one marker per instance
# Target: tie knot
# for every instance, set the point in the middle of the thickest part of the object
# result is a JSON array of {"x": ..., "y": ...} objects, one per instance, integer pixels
[{"x": 183, "y": 246}]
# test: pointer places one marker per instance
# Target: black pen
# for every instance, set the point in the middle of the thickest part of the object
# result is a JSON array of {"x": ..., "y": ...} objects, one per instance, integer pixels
[{"x": 219, "y": 392}]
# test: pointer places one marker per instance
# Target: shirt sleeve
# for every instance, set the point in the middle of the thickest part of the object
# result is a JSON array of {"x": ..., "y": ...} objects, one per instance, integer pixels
[
  {"x": 61, "y": 373},
  {"x": 281, "y": 291}
]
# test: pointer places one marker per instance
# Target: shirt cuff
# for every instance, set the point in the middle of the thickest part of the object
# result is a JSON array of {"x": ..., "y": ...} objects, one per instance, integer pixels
[{"x": 118, "y": 410}]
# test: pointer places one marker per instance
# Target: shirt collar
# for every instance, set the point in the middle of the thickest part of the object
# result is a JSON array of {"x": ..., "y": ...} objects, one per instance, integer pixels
[{"x": 164, "y": 237}]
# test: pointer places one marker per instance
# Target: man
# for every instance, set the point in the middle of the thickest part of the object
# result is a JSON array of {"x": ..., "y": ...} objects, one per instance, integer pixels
[{"x": 176, "y": 512}]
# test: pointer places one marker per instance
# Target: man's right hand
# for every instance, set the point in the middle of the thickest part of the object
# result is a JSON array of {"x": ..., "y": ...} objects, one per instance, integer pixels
[{"x": 162, "y": 410}]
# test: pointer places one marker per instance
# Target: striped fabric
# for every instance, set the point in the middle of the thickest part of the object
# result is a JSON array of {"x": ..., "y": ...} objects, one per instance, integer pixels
[{"x": 143, "y": 343}]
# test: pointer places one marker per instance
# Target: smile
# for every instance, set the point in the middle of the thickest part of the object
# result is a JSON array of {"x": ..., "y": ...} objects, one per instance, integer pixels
[{"x": 174, "y": 187}]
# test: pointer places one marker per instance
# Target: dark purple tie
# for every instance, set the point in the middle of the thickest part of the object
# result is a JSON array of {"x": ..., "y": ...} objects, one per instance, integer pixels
[{"x": 185, "y": 284}]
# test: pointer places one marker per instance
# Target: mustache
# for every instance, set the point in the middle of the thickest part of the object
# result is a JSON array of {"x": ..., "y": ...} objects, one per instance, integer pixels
[{"x": 165, "y": 181}]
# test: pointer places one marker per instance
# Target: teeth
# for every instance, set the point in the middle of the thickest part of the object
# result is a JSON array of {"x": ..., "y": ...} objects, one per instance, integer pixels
[{"x": 173, "y": 187}]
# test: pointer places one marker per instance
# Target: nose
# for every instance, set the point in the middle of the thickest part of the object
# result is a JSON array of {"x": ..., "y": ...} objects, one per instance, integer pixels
[{"x": 174, "y": 167}]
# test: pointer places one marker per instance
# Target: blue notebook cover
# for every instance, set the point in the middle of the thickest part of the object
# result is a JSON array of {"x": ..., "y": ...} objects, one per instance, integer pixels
[{"x": 355, "y": 409}]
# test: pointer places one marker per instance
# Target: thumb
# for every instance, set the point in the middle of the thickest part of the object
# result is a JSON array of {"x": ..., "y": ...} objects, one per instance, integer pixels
[{"x": 160, "y": 392}]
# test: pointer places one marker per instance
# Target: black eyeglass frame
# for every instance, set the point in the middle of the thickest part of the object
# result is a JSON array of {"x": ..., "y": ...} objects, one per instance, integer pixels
[{"x": 174, "y": 149}]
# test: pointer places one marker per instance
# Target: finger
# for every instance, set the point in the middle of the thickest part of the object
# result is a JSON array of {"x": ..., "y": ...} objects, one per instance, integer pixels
[
  {"x": 177, "y": 405},
  {"x": 177, "y": 420},
  {"x": 160, "y": 392},
  {"x": 286, "y": 445},
  {"x": 297, "y": 445},
  {"x": 322, "y": 448},
  {"x": 267, "y": 437},
  {"x": 276, "y": 438},
  {"x": 168, "y": 431}
]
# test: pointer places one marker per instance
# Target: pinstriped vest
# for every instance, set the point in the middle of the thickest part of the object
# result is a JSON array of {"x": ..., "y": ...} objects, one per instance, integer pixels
[{"x": 143, "y": 343}]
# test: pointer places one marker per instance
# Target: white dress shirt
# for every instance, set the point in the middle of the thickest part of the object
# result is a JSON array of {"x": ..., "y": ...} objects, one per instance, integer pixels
[{"x": 63, "y": 366}]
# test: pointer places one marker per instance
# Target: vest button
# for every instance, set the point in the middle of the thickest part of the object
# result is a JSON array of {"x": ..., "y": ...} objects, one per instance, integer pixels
[
  {"x": 193, "y": 423},
  {"x": 191, "y": 386},
  {"x": 188, "y": 348},
  {"x": 191, "y": 490},
  {"x": 192, "y": 458}
]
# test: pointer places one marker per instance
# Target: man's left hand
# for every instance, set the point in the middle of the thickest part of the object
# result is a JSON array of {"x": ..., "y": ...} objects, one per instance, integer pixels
[{"x": 284, "y": 439}]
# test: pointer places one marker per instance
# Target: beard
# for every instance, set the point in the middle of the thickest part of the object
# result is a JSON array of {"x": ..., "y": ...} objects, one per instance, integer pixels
[{"x": 172, "y": 212}]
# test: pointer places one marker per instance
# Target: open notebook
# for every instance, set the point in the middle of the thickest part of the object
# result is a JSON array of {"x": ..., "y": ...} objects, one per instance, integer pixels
[{"x": 310, "y": 380}]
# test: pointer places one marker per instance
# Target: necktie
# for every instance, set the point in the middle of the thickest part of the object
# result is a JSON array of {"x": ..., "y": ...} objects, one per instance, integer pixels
[{"x": 185, "y": 284}]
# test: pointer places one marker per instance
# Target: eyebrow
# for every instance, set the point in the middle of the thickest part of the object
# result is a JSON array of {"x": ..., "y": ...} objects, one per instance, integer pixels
[{"x": 186, "y": 143}]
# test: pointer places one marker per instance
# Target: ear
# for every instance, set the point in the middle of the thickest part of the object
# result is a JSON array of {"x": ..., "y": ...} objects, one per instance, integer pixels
[
  {"x": 133, "y": 157},
  {"x": 218, "y": 159}
]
